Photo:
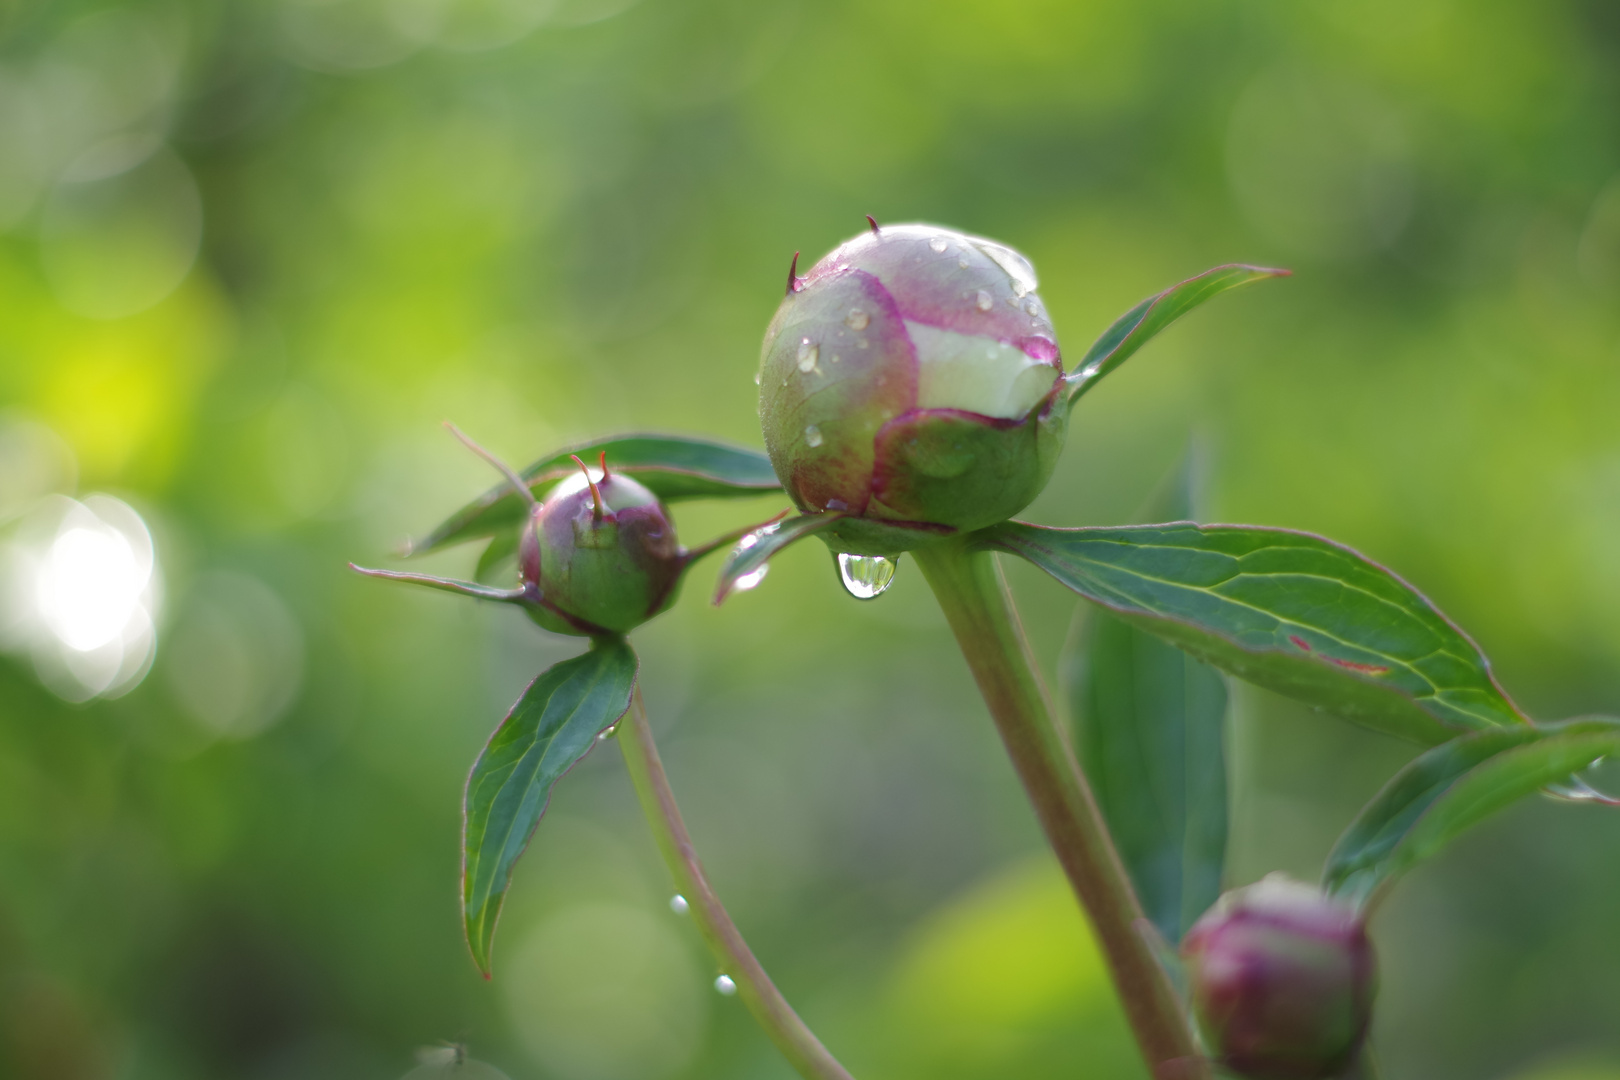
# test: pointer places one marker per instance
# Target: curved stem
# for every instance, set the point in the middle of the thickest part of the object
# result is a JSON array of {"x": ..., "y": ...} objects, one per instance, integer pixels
[
  {"x": 975, "y": 600},
  {"x": 796, "y": 1041}
]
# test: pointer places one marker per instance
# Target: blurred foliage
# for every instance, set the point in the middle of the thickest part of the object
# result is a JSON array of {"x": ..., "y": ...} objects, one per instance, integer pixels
[{"x": 251, "y": 254}]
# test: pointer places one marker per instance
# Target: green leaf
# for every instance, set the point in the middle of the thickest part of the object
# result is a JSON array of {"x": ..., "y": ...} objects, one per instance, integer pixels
[
  {"x": 1451, "y": 787},
  {"x": 1149, "y": 723},
  {"x": 554, "y": 724},
  {"x": 1150, "y": 738},
  {"x": 500, "y": 550},
  {"x": 754, "y": 551},
  {"x": 673, "y": 467},
  {"x": 1286, "y": 610},
  {"x": 473, "y": 589},
  {"x": 1137, "y": 326}
]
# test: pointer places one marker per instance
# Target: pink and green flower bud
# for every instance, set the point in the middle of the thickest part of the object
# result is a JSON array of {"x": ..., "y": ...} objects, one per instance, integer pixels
[
  {"x": 1282, "y": 979},
  {"x": 912, "y": 379},
  {"x": 599, "y": 555}
]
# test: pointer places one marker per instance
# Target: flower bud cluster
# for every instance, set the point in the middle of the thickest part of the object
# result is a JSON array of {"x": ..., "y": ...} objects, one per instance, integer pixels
[
  {"x": 599, "y": 555},
  {"x": 1282, "y": 980},
  {"x": 912, "y": 377}
]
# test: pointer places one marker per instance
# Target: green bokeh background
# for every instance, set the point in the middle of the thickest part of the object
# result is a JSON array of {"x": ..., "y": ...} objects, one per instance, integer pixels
[{"x": 251, "y": 255}]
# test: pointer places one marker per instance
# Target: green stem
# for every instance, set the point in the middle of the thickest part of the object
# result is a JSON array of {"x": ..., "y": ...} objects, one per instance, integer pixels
[
  {"x": 974, "y": 596},
  {"x": 796, "y": 1041}
]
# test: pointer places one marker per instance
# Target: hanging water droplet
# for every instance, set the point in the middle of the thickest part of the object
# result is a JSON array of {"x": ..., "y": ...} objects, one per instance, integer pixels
[
  {"x": 678, "y": 904},
  {"x": 812, "y": 436},
  {"x": 808, "y": 352},
  {"x": 984, "y": 300},
  {"x": 752, "y": 580},
  {"x": 725, "y": 985},
  {"x": 857, "y": 319},
  {"x": 865, "y": 576},
  {"x": 938, "y": 244}
]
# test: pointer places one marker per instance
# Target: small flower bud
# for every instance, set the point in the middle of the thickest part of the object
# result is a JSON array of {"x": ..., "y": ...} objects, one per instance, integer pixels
[
  {"x": 1282, "y": 981},
  {"x": 913, "y": 377},
  {"x": 599, "y": 555}
]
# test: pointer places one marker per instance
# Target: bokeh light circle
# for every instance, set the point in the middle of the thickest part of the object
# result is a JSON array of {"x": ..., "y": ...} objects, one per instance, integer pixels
[{"x": 80, "y": 585}]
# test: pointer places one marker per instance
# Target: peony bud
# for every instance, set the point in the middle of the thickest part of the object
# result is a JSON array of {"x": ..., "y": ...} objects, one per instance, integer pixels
[
  {"x": 913, "y": 379},
  {"x": 1282, "y": 981},
  {"x": 599, "y": 555}
]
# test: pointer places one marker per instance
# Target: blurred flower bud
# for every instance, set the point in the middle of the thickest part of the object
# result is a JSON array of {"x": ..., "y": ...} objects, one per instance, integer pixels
[
  {"x": 912, "y": 377},
  {"x": 1282, "y": 981},
  {"x": 599, "y": 556}
]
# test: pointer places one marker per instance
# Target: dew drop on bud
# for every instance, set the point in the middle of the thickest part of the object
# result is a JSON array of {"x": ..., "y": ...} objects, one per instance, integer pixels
[
  {"x": 984, "y": 300},
  {"x": 678, "y": 904},
  {"x": 1040, "y": 348},
  {"x": 809, "y": 351},
  {"x": 1030, "y": 307},
  {"x": 857, "y": 319},
  {"x": 759, "y": 377},
  {"x": 725, "y": 985},
  {"x": 812, "y": 436},
  {"x": 961, "y": 264},
  {"x": 865, "y": 576},
  {"x": 938, "y": 244}
]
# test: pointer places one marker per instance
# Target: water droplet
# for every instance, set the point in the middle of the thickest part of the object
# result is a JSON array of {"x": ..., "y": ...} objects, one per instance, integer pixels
[
  {"x": 865, "y": 576},
  {"x": 759, "y": 377},
  {"x": 836, "y": 358},
  {"x": 961, "y": 264},
  {"x": 984, "y": 300},
  {"x": 838, "y": 505},
  {"x": 678, "y": 904},
  {"x": 938, "y": 244},
  {"x": 812, "y": 436},
  {"x": 1018, "y": 268},
  {"x": 1031, "y": 307},
  {"x": 725, "y": 985},
  {"x": 857, "y": 319},
  {"x": 608, "y": 734},
  {"x": 809, "y": 351},
  {"x": 1040, "y": 348},
  {"x": 750, "y": 581}
]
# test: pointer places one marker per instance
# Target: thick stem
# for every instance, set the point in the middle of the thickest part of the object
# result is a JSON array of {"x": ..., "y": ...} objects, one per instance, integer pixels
[
  {"x": 796, "y": 1041},
  {"x": 974, "y": 596}
]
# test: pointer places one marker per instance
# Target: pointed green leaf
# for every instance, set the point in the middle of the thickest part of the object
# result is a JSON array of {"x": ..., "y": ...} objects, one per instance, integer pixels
[
  {"x": 554, "y": 724},
  {"x": 502, "y": 548},
  {"x": 1150, "y": 738},
  {"x": 1286, "y": 610},
  {"x": 1150, "y": 724},
  {"x": 1133, "y": 329},
  {"x": 1453, "y": 786},
  {"x": 452, "y": 585},
  {"x": 673, "y": 467},
  {"x": 753, "y": 552}
]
